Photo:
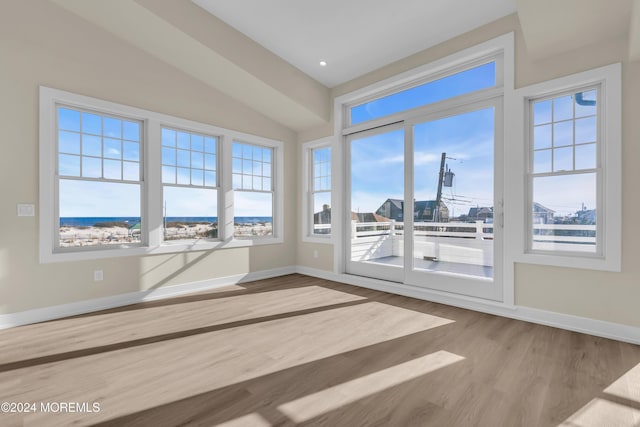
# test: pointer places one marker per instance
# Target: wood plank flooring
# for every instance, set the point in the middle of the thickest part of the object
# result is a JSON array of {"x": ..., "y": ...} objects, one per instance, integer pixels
[{"x": 297, "y": 350}]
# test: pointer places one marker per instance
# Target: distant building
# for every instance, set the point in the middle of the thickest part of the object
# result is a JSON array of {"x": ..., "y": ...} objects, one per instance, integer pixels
[
  {"x": 323, "y": 217},
  {"x": 484, "y": 214},
  {"x": 423, "y": 210},
  {"x": 586, "y": 216},
  {"x": 542, "y": 214},
  {"x": 368, "y": 217}
]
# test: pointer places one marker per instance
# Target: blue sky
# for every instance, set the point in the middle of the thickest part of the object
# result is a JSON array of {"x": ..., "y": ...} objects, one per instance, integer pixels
[{"x": 377, "y": 165}]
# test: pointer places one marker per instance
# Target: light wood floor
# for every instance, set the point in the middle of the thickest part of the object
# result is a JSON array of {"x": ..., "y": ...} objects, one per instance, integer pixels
[{"x": 302, "y": 351}]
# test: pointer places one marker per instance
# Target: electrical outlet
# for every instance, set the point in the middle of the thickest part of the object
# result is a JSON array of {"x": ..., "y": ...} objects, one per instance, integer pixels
[
  {"x": 26, "y": 209},
  {"x": 98, "y": 276}
]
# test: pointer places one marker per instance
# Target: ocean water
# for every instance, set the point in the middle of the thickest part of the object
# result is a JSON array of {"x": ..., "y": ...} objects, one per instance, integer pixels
[{"x": 132, "y": 220}]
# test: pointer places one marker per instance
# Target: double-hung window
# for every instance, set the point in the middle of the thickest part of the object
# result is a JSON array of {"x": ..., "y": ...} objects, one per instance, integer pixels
[
  {"x": 117, "y": 180},
  {"x": 253, "y": 190},
  {"x": 316, "y": 194},
  {"x": 573, "y": 143},
  {"x": 98, "y": 178},
  {"x": 190, "y": 185}
]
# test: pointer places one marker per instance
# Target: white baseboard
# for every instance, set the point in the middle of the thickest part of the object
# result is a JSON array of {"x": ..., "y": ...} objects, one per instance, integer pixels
[
  {"x": 82, "y": 307},
  {"x": 584, "y": 325},
  {"x": 569, "y": 322}
]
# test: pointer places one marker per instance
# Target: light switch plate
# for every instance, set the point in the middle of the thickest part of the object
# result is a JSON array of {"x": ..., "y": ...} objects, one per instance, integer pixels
[{"x": 25, "y": 209}]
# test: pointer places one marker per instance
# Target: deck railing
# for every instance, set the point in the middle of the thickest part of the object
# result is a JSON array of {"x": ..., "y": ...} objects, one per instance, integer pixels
[{"x": 465, "y": 230}]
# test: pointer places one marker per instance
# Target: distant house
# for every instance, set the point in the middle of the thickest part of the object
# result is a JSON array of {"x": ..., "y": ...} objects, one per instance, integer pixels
[
  {"x": 484, "y": 214},
  {"x": 586, "y": 216},
  {"x": 423, "y": 210},
  {"x": 323, "y": 217},
  {"x": 542, "y": 214},
  {"x": 368, "y": 217}
]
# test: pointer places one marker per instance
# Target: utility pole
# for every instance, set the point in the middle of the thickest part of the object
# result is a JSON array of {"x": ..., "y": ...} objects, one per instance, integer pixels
[{"x": 436, "y": 212}]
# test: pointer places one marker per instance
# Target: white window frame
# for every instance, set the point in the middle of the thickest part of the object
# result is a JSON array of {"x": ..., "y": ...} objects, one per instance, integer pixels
[
  {"x": 151, "y": 209},
  {"x": 276, "y": 203},
  {"x": 307, "y": 191},
  {"x": 608, "y": 253},
  {"x": 502, "y": 49}
]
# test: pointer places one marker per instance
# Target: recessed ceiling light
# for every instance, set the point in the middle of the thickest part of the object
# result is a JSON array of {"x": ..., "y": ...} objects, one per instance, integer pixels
[{"x": 323, "y": 63}]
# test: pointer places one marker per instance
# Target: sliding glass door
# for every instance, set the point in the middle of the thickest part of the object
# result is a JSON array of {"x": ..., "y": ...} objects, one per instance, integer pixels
[
  {"x": 374, "y": 230},
  {"x": 425, "y": 201}
]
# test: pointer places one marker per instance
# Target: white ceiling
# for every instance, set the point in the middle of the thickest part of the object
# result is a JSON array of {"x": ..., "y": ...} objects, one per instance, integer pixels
[{"x": 353, "y": 36}]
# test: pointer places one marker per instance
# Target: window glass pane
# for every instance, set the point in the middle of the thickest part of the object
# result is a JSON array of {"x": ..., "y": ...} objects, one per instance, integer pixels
[
  {"x": 68, "y": 165},
  {"x": 91, "y": 167},
  {"x": 168, "y": 175},
  {"x": 131, "y": 151},
  {"x": 210, "y": 179},
  {"x": 131, "y": 171},
  {"x": 112, "y": 169},
  {"x": 564, "y": 213},
  {"x": 542, "y": 112},
  {"x": 197, "y": 160},
  {"x": 210, "y": 161},
  {"x": 197, "y": 177},
  {"x": 210, "y": 145},
  {"x": 586, "y": 130},
  {"x": 247, "y": 151},
  {"x": 168, "y": 137},
  {"x": 542, "y": 161},
  {"x": 586, "y": 103},
  {"x": 190, "y": 213},
  {"x": 542, "y": 137},
  {"x": 91, "y": 123},
  {"x": 94, "y": 213},
  {"x": 563, "y": 159},
  {"x": 253, "y": 214},
  {"x": 563, "y": 108},
  {"x": 586, "y": 156},
  {"x": 69, "y": 142},
  {"x": 68, "y": 119},
  {"x": 91, "y": 146},
  {"x": 481, "y": 77},
  {"x": 184, "y": 140},
  {"x": 197, "y": 142},
  {"x": 131, "y": 131},
  {"x": 184, "y": 158},
  {"x": 113, "y": 127},
  {"x": 322, "y": 213},
  {"x": 237, "y": 180},
  {"x": 563, "y": 134},
  {"x": 169, "y": 156},
  {"x": 184, "y": 176},
  {"x": 237, "y": 166},
  {"x": 112, "y": 148}
]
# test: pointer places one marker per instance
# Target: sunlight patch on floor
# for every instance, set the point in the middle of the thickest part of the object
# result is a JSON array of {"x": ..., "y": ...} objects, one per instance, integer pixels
[
  {"x": 627, "y": 386},
  {"x": 601, "y": 412},
  {"x": 316, "y": 404},
  {"x": 250, "y": 420}
]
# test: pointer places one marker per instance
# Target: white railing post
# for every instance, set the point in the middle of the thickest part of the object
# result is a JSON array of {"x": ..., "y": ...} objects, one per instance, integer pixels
[
  {"x": 392, "y": 227},
  {"x": 479, "y": 232},
  {"x": 354, "y": 228}
]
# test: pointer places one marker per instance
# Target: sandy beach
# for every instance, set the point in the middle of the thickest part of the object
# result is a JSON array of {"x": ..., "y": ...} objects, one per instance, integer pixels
[{"x": 118, "y": 235}]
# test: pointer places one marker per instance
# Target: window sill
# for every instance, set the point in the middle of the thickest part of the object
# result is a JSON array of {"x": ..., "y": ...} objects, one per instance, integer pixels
[
  {"x": 164, "y": 248},
  {"x": 571, "y": 261}
]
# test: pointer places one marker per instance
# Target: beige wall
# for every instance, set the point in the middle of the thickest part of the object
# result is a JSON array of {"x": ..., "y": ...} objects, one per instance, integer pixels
[
  {"x": 41, "y": 44},
  {"x": 605, "y": 296}
]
